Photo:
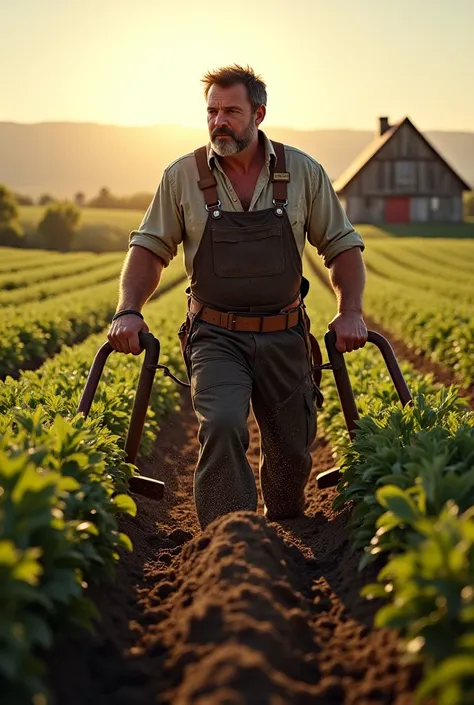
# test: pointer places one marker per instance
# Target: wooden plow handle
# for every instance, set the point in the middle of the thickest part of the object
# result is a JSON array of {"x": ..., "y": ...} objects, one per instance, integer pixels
[
  {"x": 140, "y": 485},
  {"x": 346, "y": 395}
]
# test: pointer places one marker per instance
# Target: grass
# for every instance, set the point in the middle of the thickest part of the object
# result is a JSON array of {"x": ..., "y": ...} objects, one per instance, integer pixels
[
  {"x": 128, "y": 219},
  {"x": 100, "y": 229},
  {"x": 428, "y": 230}
]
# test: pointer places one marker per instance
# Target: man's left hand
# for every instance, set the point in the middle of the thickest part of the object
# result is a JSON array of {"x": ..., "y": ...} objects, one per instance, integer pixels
[{"x": 350, "y": 329}]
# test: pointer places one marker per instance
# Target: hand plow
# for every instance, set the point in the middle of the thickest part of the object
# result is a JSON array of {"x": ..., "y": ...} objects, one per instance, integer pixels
[
  {"x": 153, "y": 489},
  {"x": 337, "y": 364}
]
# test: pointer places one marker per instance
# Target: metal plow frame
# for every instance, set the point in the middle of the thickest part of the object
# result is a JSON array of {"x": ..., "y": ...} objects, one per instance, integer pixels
[{"x": 331, "y": 477}]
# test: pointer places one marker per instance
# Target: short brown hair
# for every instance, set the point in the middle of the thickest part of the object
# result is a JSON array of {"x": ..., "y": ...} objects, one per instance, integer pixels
[{"x": 230, "y": 75}]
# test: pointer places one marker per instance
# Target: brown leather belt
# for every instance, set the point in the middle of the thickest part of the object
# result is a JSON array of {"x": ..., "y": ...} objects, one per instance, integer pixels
[{"x": 268, "y": 323}]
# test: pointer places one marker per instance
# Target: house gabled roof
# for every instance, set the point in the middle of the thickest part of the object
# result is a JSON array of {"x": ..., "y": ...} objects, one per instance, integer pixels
[{"x": 376, "y": 145}]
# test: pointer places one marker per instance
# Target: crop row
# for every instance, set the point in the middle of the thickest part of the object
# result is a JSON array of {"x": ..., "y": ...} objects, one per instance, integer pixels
[
  {"x": 450, "y": 283},
  {"x": 438, "y": 328},
  {"x": 456, "y": 255},
  {"x": 62, "y": 479},
  {"x": 74, "y": 282},
  {"x": 14, "y": 259},
  {"x": 444, "y": 262},
  {"x": 69, "y": 267},
  {"x": 409, "y": 475},
  {"x": 31, "y": 333}
]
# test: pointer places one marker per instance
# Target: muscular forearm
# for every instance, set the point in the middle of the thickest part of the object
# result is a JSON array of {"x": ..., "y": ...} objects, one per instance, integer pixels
[
  {"x": 140, "y": 276},
  {"x": 347, "y": 275}
]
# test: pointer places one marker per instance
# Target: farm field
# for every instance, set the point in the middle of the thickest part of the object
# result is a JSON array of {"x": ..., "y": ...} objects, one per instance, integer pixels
[
  {"x": 366, "y": 599},
  {"x": 112, "y": 227},
  {"x": 99, "y": 230},
  {"x": 126, "y": 219}
]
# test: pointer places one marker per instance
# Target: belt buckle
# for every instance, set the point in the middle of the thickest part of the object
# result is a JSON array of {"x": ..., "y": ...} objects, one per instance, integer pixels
[{"x": 231, "y": 320}]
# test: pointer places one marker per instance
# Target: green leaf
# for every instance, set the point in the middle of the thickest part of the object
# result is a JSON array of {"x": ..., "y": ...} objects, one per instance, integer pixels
[
  {"x": 398, "y": 502},
  {"x": 8, "y": 553},
  {"x": 373, "y": 590},
  {"x": 125, "y": 541},
  {"x": 68, "y": 484},
  {"x": 452, "y": 669},
  {"x": 28, "y": 570},
  {"x": 124, "y": 503}
]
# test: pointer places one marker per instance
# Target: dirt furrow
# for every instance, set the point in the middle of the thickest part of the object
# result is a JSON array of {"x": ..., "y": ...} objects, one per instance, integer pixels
[{"x": 245, "y": 612}]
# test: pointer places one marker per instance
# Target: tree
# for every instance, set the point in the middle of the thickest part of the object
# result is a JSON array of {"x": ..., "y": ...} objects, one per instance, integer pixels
[
  {"x": 58, "y": 227},
  {"x": 23, "y": 199},
  {"x": 104, "y": 200},
  {"x": 79, "y": 199},
  {"x": 10, "y": 230},
  {"x": 45, "y": 200},
  {"x": 8, "y": 207},
  {"x": 11, "y": 235}
]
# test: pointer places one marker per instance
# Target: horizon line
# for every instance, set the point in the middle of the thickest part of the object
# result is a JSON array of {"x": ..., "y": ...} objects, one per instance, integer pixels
[{"x": 204, "y": 128}]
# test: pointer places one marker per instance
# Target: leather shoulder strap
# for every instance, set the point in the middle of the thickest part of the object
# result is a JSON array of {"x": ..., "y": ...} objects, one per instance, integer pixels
[
  {"x": 281, "y": 177},
  {"x": 206, "y": 182}
]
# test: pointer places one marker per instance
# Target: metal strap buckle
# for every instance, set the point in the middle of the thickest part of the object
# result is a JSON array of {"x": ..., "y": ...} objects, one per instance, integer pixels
[
  {"x": 280, "y": 204},
  {"x": 213, "y": 206}
]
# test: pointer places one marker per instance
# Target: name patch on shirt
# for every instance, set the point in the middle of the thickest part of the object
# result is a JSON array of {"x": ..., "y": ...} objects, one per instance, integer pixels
[{"x": 281, "y": 176}]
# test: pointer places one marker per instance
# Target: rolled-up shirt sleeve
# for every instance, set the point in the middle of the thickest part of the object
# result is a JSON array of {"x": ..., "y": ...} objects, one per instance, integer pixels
[
  {"x": 161, "y": 229},
  {"x": 328, "y": 227}
]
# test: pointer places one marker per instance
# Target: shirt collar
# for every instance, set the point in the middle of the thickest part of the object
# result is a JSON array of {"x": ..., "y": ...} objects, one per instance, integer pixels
[{"x": 269, "y": 151}]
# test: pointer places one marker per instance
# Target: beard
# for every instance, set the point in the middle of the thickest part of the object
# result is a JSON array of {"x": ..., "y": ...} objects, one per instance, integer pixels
[{"x": 235, "y": 143}]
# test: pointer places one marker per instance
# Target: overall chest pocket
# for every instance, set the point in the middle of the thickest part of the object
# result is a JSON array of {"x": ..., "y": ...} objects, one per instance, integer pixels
[{"x": 251, "y": 251}]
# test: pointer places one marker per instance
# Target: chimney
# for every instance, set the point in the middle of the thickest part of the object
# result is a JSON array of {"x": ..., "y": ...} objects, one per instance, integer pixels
[{"x": 384, "y": 125}]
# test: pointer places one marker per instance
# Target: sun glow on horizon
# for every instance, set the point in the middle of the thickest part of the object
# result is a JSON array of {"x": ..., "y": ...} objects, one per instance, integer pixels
[{"x": 326, "y": 66}]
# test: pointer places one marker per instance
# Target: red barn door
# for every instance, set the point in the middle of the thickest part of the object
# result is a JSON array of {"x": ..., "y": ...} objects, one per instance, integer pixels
[{"x": 397, "y": 210}]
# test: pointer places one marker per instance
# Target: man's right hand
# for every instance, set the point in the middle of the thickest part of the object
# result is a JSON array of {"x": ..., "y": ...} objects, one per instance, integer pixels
[{"x": 123, "y": 334}]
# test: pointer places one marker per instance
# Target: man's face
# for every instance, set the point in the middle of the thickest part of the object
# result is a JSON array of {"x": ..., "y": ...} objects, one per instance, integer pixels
[{"x": 231, "y": 122}]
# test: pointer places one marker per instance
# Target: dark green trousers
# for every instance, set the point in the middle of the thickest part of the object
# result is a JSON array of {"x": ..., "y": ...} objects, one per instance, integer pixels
[{"x": 229, "y": 371}]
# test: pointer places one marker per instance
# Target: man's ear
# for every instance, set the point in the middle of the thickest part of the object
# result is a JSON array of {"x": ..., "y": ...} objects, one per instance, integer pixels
[{"x": 260, "y": 115}]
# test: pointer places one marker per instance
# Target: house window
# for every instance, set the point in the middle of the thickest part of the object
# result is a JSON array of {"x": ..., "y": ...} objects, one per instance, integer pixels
[
  {"x": 434, "y": 204},
  {"x": 404, "y": 173}
]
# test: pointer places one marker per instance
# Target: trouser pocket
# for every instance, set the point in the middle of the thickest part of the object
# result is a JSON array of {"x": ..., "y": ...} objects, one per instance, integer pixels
[{"x": 186, "y": 333}]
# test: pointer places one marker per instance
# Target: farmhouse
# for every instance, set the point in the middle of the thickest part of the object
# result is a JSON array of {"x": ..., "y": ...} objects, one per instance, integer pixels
[{"x": 401, "y": 178}]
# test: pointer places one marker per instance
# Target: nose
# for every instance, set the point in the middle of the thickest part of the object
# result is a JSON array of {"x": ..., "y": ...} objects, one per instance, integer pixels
[{"x": 220, "y": 119}]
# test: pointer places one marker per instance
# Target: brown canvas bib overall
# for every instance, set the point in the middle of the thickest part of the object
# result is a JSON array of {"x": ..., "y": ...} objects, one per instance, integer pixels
[{"x": 248, "y": 264}]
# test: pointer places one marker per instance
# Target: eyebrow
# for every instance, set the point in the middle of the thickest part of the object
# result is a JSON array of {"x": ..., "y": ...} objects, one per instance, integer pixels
[{"x": 226, "y": 107}]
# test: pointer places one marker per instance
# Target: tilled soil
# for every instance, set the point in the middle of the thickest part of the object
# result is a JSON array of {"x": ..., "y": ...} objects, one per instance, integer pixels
[{"x": 246, "y": 612}]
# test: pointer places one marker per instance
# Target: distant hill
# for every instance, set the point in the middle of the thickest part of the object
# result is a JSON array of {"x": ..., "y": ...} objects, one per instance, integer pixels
[{"x": 63, "y": 158}]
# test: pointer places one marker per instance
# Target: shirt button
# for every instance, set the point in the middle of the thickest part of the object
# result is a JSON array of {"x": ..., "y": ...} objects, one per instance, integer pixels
[{"x": 234, "y": 199}]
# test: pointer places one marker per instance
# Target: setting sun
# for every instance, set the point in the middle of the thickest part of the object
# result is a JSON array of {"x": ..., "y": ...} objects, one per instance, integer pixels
[{"x": 326, "y": 65}]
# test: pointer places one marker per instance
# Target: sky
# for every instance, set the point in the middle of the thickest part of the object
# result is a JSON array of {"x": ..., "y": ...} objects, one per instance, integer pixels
[{"x": 327, "y": 63}]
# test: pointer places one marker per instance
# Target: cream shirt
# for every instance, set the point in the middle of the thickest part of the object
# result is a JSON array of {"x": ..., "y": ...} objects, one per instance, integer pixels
[{"x": 177, "y": 214}]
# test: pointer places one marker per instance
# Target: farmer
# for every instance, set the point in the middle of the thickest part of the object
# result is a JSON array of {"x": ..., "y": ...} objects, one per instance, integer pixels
[{"x": 242, "y": 207}]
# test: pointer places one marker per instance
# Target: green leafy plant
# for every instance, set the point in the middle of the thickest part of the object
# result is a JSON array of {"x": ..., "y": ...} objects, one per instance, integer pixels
[
  {"x": 431, "y": 589},
  {"x": 63, "y": 478}
]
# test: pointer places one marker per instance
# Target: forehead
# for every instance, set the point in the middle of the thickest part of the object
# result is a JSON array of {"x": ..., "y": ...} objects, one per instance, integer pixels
[{"x": 232, "y": 95}]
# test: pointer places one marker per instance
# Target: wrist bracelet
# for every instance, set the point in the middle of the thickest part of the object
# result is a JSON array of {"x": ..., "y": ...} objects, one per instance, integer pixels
[{"x": 126, "y": 312}]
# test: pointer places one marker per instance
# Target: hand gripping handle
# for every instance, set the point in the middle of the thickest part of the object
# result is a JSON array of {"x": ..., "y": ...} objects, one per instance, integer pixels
[
  {"x": 151, "y": 345},
  {"x": 346, "y": 395}
]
